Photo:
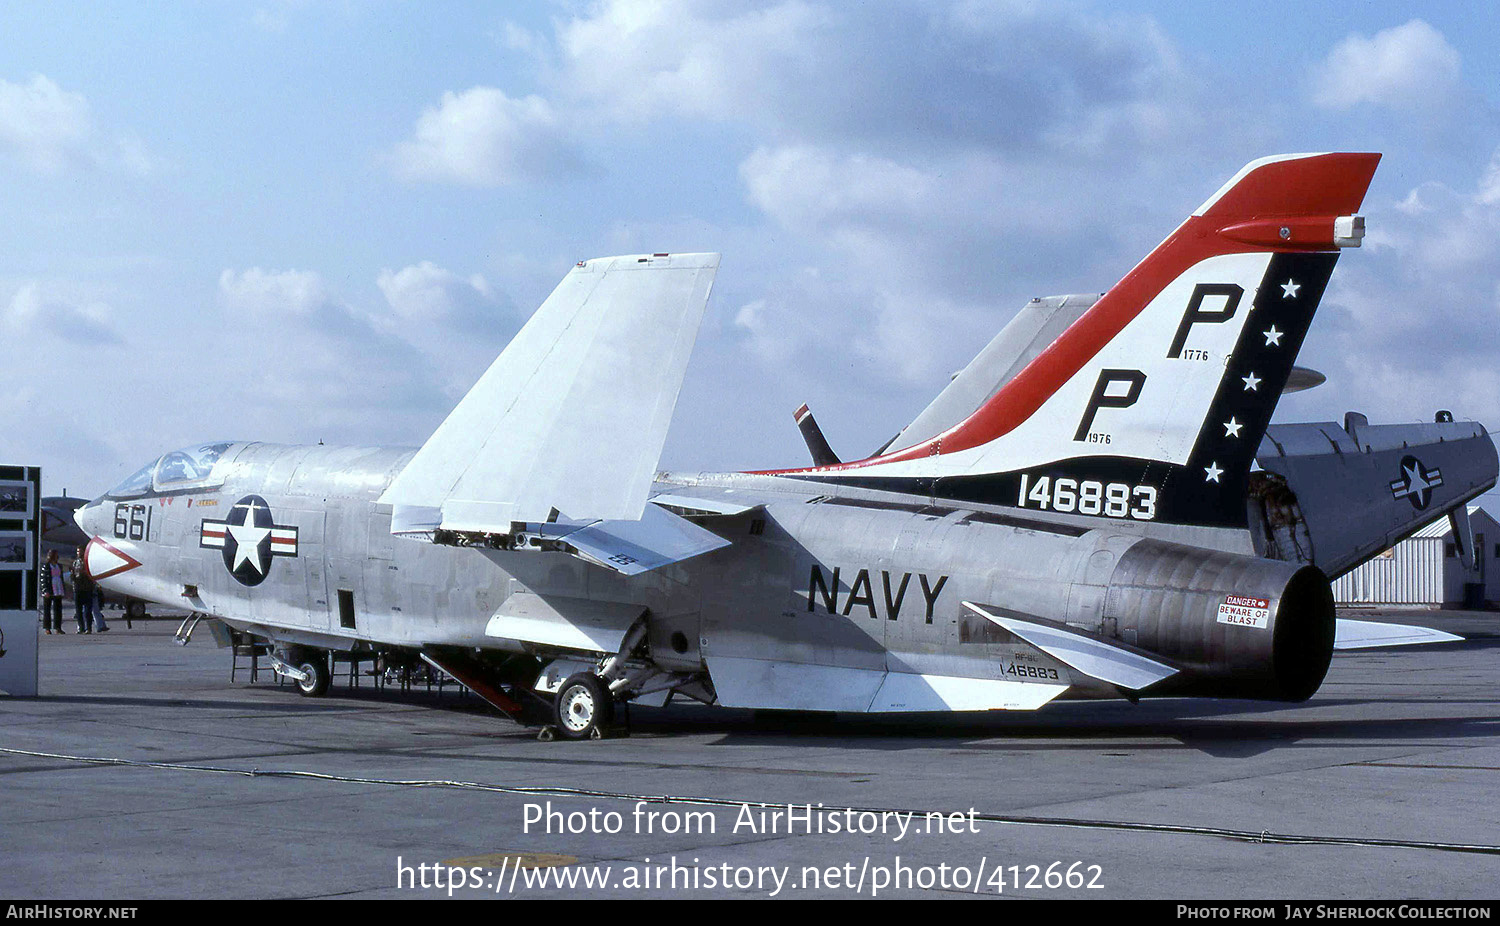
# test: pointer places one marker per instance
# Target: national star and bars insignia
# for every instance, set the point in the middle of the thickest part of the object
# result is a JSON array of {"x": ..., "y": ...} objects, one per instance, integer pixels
[
  {"x": 1416, "y": 482},
  {"x": 249, "y": 539}
]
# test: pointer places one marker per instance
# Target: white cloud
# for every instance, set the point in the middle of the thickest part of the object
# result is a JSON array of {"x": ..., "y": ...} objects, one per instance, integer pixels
[
  {"x": 805, "y": 187},
  {"x": 1409, "y": 67},
  {"x": 303, "y": 352},
  {"x": 425, "y": 292},
  {"x": 294, "y": 292},
  {"x": 457, "y": 324},
  {"x": 1011, "y": 77},
  {"x": 46, "y": 126},
  {"x": 428, "y": 341},
  {"x": 51, "y": 129},
  {"x": 687, "y": 58},
  {"x": 62, "y": 311},
  {"x": 482, "y": 137},
  {"x": 1489, "y": 185}
]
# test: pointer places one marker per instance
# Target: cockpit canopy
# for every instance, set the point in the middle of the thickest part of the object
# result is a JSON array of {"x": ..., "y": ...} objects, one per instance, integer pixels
[{"x": 189, "y": 468}]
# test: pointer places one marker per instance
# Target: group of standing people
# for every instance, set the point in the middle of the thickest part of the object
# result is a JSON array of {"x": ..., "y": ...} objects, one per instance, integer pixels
[{"x": 88, "y": 600}]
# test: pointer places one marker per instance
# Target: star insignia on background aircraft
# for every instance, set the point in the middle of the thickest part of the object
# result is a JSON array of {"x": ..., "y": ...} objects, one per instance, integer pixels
[
  {"x": 1416, "y": 482},
  {"x": 1251, "y": 382},
  {"x": 1289, "y": 289},
  {"x": 249, "y": 539},
  {"x": 1232, "y": 428},
  {"x": 1273, "y": 337},
  {"x": 1212, "y": 472}
]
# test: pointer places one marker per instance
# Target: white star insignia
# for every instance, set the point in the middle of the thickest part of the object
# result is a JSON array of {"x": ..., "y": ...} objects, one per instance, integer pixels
[
  {"x": 1232, "y": 428},
  {"x": 1273, "y": 337},
  {"x": 1414, "y": 478},
  {"x": 1289, "y": 289},
  {"x": 1212, "y": 472},
  {"x": 247, "y": 538},
  {"x": 1250, "y": 382}
]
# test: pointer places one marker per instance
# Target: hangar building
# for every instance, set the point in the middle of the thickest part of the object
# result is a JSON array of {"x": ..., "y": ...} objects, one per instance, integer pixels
[{"x": 1426, "y": 570}]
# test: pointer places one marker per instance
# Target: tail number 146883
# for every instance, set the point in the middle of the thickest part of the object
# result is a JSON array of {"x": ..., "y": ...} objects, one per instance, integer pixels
[{"x": 1087, "y": 496}]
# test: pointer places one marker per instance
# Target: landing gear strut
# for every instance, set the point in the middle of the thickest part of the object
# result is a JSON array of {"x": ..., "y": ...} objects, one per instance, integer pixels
[{"x": 584, "y": 707}]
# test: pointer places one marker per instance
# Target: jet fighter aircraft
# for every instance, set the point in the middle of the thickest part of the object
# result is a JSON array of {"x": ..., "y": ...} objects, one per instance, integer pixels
[{"x": 1097, "y": 507}]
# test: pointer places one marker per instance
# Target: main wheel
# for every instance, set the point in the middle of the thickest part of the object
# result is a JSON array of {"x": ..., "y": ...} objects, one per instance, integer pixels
[
  {"x": 583, "y": 706},
  {"x": 314, "y": 684}
]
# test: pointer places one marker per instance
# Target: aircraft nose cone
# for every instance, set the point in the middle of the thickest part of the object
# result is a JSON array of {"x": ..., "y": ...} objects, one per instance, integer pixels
[{"x": 91, "y": 518}]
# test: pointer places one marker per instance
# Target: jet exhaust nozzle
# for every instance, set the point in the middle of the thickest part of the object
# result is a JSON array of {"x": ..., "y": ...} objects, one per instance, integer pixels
[{"x": 1240, "y": 626}]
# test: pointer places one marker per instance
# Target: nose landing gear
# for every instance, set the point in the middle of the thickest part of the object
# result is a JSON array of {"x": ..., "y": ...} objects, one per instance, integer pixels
[
  {"x": 315, "y": 677},
  {"x": 308, "y": 668}
]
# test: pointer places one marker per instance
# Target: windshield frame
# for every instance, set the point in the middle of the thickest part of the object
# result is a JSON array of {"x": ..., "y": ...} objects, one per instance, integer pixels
[
  {"x": 207, "y": 460},
  {"x": 204, "y": 460}
]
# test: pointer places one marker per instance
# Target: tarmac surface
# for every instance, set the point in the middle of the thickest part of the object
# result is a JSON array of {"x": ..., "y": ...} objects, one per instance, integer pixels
[{"x": 1382, "y": 786}]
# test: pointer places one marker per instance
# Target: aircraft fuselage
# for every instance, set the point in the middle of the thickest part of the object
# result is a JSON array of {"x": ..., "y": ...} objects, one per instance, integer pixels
[{"x": 293, "y": 546}]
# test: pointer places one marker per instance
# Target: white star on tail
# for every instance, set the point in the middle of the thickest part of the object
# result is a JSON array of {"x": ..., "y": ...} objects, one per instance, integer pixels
[
  {"x": 1250, "y": 382},
  {"x": 1273, "y": 337},
  {"x": 247, "y": 538},
  {"x": 1212, "y": 472},
  {"x": 1289, "y": 289},
  {"x": 1232, "y": 428}
]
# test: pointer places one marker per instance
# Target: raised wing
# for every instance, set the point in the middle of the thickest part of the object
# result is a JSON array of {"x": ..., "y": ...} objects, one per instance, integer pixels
[{"x": 570, "y": 419}]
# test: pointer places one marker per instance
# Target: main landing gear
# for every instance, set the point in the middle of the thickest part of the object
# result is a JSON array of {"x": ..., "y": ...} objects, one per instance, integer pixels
[{"x": 584, "y": 707}]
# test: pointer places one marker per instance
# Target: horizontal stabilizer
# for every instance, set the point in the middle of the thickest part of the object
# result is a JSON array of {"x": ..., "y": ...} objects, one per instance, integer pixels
[
  {"x": 572, "y": 415},
  {"x": 659, "y": 538},
  {"x": 569, "y": 623},
  {"x": 692, "y": 507},
  {"x": 1093, "y": 656},
  {"x": 1351, "y": 634}
]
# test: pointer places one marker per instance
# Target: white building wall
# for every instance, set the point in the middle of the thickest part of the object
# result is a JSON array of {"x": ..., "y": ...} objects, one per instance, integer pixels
[
  {"x": 1411, "y": 573},
  {"x": 1418, "y": 570}
]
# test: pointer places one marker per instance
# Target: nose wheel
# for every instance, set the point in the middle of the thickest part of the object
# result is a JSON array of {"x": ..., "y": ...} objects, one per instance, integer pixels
[
  {"x": 315, "y": 677},
  {"x": 584, "y": 707}
]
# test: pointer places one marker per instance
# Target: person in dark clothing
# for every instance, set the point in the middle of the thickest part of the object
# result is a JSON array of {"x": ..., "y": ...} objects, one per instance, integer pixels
[
  {"x": 50, "y": 578},
  {"x": 88, "y": 606}
]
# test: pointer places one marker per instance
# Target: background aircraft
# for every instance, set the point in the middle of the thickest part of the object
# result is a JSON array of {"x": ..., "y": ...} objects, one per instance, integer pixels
[{"x": 1094, "y": 508}]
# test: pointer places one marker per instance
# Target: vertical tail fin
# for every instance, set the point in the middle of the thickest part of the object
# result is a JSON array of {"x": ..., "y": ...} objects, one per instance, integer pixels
[{"x": 1152, "y": 404}]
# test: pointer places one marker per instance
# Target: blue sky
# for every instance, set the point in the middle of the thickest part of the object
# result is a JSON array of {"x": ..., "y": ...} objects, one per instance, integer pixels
[{"x": 301, "y": 221}]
